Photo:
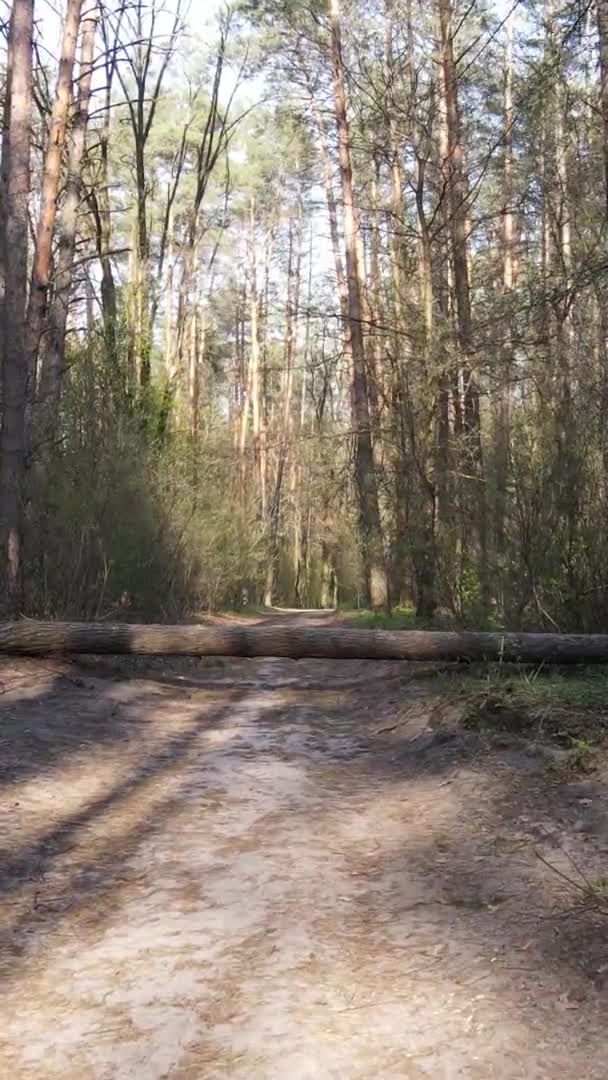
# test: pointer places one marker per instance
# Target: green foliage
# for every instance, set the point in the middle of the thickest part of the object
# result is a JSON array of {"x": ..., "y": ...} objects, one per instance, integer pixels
[
  {"x": 567, "y": 709},
  {"x": 148, "y": 498},
  {"x": 495, "y": 711},
  {"x": 399, "y": 619},
  {"x": 119, "y": 526},
  {"x": 582, "y": 752}
]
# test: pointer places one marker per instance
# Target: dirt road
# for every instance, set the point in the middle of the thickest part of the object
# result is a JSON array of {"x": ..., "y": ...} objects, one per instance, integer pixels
[{"x": 271, "y": 869}]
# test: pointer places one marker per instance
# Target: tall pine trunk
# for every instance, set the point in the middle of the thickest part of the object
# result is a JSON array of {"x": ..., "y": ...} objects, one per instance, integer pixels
[
  {"x": 53, "y": 361},
  {"x": 294, "y": 262},
  {"x": 16, "y": 186},
  {"x": 602, "y": 30},
  {"x": 51, "y": 172},
  {"x": 259, "y": 441},
  {"x": 365, "y": 478},
  {"x": 458, "y": 203},
  {"x": 503, "y": 403}
]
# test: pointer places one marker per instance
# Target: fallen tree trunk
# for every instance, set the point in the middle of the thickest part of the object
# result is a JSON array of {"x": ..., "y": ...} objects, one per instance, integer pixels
[{"x": 337, "y": 643}]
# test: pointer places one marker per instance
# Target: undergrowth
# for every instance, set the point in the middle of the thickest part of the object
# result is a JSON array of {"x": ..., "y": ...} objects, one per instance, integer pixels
[
  {"x": 588, "y": 894},
  {"x": 401, "y": 618},
  {"x": 405, "y": 618},
  {"x": 566, "y": 708}
]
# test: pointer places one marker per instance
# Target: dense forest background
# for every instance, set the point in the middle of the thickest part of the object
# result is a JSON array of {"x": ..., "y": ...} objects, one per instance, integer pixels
[{"x": 306, "y": 303}]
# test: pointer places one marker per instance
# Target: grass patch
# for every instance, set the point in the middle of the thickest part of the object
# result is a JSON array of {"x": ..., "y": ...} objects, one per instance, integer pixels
[
  {"x": 404, "y": 618},
  {"x": 399, "y": 619},
  {"x": 568, "y": 709},
  {"x": 589, "y": 894},
  {"x": 581, "y": 688}
]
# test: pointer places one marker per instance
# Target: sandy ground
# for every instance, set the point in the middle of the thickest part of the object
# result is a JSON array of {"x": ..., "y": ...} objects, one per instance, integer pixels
[{"x": 266, "y": 869}]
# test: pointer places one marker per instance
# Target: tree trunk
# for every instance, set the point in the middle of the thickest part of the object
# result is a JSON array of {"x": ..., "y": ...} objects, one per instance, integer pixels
[
  {"x": 300, "y": 484},
  {"x": 142, "y": 98},
  {"x": 214, "y": 139},
  {"x": 334, "y": 233},
  {"x": 503, "y": 406},
  {"x": 169, "y": 300},
  {"x": 53, "y": 362},
  {"x": 193, "y": 372},
  {"x": 140, "y": 331},
  {"x": 291, "y": 315},
  {"x": 245, "y": 403},
  {"x": 446, "y": 488},
  {"x": 16, "y": 186},
  {"x": 457, "y": 192},
  {"x": 6, "y": 115},
  {"x": 396, "y": 230},
  {"x": 36, "y": 312},
  {"x": 328, "y": 576},
  {"x": 377, "y": 343},
  {"x": 602, "y": 30},
  {"x": 458, "y": 217},
  {"x": 427, "y": 436},
  {"x": 99, "y": 198},
  {"x": 31, "y": 638},
  {"x": 259, "y": 447},
  {"x": 365, "y": 478}
]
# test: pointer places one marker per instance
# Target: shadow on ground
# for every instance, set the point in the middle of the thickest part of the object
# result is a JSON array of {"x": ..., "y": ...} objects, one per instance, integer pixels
[{"x": 440, "y": 838}]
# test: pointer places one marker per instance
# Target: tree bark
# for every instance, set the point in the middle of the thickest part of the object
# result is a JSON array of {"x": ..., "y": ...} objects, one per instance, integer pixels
[
  {"x": 16, "y": 187},
  {"x": 377, "y": 342},
  {"x": 332, "y": 213},
  {"x": 503, "y": 404},
  {"x": 142, "y": 104},
  {"x": 194, "y": 372},
  {"x": 53, "y": 362},
  {"x": 169, "y": 299},
  {"x": 6, "y": 115},
  {"x": 291, "y": 314},
  {"x": 31, "y": 638},
  {"x": 259, "y": 434},
  {"x": 458, "y": 199},
  {"x": 602, "y": 30},
  {"x": 365, "y": 478},
  {"x": 98, "y": 196},
  {"x": 213, "y": 142},
  {"x": 458, "y": 217},
  {"x": 397, "y": 245},
  {"x": 37, "y": 304}
]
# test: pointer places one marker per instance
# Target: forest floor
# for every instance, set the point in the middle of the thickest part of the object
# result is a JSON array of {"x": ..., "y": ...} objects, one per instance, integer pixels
[{"x": 263, "y": 868}]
